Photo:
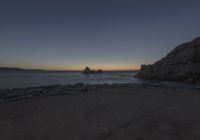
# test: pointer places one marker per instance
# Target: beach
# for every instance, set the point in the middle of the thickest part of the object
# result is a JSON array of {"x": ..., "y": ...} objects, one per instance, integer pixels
[
  {"x": 99, "y": 70},
  {"x": 100, "y": 112}
]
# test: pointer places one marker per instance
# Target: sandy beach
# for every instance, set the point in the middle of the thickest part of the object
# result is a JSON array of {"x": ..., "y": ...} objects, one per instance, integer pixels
[{"x": 101, "y": 112}]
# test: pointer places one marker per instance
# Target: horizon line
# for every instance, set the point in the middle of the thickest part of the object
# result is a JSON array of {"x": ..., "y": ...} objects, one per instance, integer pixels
[{"x": 22, "y": 68}]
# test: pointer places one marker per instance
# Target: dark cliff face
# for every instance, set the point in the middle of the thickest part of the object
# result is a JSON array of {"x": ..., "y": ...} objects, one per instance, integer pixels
[{"x": 181, "y": 64}]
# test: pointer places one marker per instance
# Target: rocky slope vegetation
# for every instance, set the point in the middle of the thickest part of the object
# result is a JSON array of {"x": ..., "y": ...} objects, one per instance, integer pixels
[{"x": 181, "y": 64}]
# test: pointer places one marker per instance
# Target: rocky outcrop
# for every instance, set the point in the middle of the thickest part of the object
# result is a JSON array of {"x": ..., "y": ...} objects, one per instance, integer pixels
[
  {"x": 89, "y": 71},
  {"x": 18, "y": 94},
  {"x": 181, "y": 64}
]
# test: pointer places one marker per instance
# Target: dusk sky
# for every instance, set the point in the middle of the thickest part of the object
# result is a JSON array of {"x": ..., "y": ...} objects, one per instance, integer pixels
[{"x": 106, "y": 34}]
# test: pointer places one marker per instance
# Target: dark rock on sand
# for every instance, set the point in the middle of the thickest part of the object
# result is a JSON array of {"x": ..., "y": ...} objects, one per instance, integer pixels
[
  {"x": 181, "y": 64},
  {"x": 79, "y": 84},
  {"x": 89, "y": 71}
]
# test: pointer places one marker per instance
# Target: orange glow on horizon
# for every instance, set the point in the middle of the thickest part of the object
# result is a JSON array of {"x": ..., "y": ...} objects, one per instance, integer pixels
[
  {"x": 105, "y": 68},
  {"x": 80, "y": 67}
]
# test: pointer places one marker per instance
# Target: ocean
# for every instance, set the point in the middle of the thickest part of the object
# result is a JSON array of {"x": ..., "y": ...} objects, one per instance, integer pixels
[{"x": 23, "y": 79}]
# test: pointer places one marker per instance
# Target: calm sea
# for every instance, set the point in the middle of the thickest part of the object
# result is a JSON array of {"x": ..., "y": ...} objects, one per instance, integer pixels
[
  {"x": 26, "y": 79},
  {"x": 30, "y": 79}
]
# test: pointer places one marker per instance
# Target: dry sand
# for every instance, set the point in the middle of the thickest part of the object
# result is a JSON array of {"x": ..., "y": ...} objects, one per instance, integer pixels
[{"x": 107, "y": 113}]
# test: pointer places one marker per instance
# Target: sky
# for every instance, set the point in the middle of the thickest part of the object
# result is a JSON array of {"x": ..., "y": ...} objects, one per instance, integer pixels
[{"x": 106, "y": 34}]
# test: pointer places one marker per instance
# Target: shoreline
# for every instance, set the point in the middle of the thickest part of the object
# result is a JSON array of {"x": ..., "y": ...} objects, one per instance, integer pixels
[{"x": 17, "y": 94}]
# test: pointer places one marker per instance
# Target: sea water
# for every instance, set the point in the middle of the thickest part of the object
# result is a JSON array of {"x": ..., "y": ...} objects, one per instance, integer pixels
[{"x": 23, "y": 79}]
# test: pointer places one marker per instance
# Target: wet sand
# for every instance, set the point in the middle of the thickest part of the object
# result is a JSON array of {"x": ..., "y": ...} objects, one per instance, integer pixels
[{"x": 102, "y": 113}]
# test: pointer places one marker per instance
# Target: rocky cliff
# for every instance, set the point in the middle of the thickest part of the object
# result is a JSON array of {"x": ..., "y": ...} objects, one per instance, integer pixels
[{"x": 181, "y": 64}]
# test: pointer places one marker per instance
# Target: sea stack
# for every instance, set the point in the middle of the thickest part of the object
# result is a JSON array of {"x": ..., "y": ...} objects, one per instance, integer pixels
[
  {"x": 87, "y": 70},
  {"x": 181, "y": 64}
]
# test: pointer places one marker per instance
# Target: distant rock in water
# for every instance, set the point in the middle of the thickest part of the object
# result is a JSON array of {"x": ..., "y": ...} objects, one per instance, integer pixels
[
  {"x": 181, "y": 64},
  {"x": 89, "y": 71}
]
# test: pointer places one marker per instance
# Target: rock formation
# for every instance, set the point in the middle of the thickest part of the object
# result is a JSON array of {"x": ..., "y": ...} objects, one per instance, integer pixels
[
  {"x": 181, "y": 64},
  {"x": 89, "y": 71}
]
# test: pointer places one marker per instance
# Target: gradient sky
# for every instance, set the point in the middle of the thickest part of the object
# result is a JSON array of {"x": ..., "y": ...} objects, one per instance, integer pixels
[{"x": 107, "y": 34}]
